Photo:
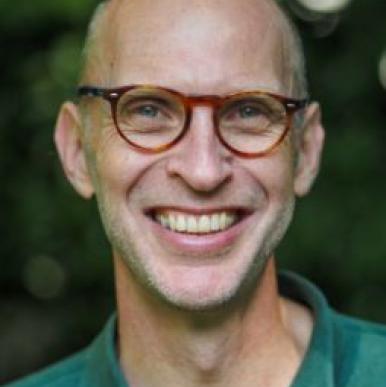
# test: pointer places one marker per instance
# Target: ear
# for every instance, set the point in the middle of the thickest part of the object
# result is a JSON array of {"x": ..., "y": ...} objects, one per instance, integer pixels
[
  {"x": 309, "y": 150},
  {"x": 69, "y": 144}
]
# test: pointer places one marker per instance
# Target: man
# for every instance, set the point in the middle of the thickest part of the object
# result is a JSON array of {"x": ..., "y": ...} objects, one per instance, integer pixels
[{"x": 194, "y": 131}]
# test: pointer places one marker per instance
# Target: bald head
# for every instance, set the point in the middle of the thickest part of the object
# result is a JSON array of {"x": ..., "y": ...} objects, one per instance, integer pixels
[
  {"x": 123, "y": 30},
  {"x": 200, "y": 49}
]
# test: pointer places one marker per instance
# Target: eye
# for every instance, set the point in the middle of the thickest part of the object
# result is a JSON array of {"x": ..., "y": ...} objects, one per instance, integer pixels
[
  {"x": 244, "y": 111},
  {"x": 248, "y": 111},
  {"x": 148, "y": 111}
]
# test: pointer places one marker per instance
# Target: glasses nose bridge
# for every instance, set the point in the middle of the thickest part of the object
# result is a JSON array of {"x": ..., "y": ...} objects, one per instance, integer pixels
[{"x": 212, "y": 101}]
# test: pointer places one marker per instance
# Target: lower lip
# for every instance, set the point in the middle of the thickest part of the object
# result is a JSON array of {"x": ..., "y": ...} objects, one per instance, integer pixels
[{"x": 199, "y": 244}]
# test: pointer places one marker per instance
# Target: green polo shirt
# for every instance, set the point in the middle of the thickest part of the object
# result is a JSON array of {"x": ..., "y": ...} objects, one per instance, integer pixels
[{"x": 343, "y": 352}]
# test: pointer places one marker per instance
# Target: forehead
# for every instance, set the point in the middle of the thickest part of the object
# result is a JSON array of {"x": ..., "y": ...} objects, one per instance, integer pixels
[{"x": 197, "y": 46}]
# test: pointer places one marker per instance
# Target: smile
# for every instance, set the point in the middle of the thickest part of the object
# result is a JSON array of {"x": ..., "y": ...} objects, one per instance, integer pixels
[
  {"x": 198, "y": 231},
  {"x": 188, "y": 223}
]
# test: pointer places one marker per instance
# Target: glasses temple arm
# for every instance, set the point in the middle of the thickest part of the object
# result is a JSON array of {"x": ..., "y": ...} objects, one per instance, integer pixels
[
  {"x": 90, "y": 91},
  {"x": 297, "y": 104}
]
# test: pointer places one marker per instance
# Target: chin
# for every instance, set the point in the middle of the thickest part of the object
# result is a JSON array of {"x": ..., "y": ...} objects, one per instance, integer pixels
[
  {"x": 207, "y": 296},
  {"x": 202, "y": 298},
  {"x": 196, "y": 300},
  {"x": 201, "y": 288},
  {"x": 197, "y": 282}
]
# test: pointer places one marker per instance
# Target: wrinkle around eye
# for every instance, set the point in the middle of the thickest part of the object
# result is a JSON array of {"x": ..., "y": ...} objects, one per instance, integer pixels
[{"x": 105, "y": 135}]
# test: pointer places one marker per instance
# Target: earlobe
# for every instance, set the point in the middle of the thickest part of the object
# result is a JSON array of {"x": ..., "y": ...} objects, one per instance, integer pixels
[
  {"x": 309, "y": 149},
  {"x": 71, "y": 150}
]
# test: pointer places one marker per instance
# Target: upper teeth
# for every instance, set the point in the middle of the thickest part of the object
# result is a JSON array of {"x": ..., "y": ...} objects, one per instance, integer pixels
[{"x": 196, "y": 224}]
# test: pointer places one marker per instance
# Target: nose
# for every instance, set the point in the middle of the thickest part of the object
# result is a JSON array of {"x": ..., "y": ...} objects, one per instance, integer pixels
[{"x": 199, "y": 159}]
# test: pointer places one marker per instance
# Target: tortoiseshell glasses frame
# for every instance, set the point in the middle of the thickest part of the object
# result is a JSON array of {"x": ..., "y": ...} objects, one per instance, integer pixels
[{"x": 186, "y": 103}]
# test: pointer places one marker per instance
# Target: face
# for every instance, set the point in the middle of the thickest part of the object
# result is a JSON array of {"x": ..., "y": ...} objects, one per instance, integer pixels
[{"x": 195, "y": 224}]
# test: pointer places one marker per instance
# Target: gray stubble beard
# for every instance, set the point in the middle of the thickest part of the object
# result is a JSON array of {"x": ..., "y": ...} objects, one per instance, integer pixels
[{"x": 250, "y": 281}]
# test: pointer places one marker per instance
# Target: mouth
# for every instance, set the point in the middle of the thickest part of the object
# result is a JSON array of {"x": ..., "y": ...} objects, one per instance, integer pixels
[
  {"x": 198, "y": 231},
  {"x": 183, "y": 222}
]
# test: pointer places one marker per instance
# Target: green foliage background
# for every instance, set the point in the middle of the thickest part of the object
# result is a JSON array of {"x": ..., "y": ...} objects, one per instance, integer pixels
[{"x": 56, "y": 275}]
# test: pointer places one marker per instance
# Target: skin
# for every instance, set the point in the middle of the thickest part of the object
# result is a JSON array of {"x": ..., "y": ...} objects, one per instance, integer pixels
[{"x": 211, "y": 311}]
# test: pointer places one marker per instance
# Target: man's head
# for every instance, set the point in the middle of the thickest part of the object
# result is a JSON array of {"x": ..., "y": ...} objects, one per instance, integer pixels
[
  {"x": 97, "y": 47},
  {"x": 195, "y": 224}
]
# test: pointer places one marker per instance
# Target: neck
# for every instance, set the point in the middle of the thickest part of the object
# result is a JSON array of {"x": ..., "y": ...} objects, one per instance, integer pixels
[{"x": 163, "y": 346}]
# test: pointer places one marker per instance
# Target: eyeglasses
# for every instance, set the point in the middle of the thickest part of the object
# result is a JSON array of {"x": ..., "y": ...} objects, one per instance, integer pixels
[{"x": 153, "y": 119}]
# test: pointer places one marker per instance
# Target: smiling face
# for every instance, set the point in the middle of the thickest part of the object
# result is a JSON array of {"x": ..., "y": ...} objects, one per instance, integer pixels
[{"x": 195, "y": 224}]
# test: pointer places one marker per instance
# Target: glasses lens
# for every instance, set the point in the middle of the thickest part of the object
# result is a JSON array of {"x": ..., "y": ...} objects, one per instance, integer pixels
[
  {"x": 150, "y": 117},
  {"x": 252, "y": 123}
]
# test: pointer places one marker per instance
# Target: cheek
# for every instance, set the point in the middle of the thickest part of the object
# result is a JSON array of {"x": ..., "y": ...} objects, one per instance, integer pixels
[
  {"x": 118, "y": 167},
  {"x": 275, "y": 174},
  {"x": 117, "y": 172}
]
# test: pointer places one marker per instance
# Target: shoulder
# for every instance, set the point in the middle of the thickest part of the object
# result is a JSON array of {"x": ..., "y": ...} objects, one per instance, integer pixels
[
  {"x": 65, "y": 373},
  {"x": 96, "y": 365},
  {"x": 365, "y": 335},
  {"x": 360, "y": 349},
  {"x": 345, "y": 350}
]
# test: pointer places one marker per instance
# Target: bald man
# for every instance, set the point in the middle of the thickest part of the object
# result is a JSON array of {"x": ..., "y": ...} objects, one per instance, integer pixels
[{"x": 194, "y": 132}]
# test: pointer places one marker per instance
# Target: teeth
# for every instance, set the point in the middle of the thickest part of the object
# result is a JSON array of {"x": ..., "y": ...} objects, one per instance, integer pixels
[
  {"x": 180, "y": 224},
  {"x": 202, "y": 224},
  {"x": 164, "y": 220},
  {"x": 172, "y": 222},
  {"x": 215, "y": 222},
  {"x": 192, "y": 224},
  {"x": 223, "y": 220}
]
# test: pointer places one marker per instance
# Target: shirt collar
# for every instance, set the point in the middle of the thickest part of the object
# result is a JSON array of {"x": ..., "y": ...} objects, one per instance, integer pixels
[
  {"x": 102, "y": 364},
  {"x": 317, "y": 368}
]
